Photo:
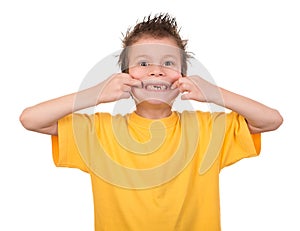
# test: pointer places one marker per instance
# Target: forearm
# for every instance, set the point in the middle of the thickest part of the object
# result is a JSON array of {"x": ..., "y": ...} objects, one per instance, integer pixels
[
  {"x": 43, "y": 117},
  {"x": 260, "y": 118},
  {"x": 46, "y": 114}
]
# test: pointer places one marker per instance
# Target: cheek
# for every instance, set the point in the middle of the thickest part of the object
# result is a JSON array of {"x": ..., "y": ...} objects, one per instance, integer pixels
[
  {"x": 173, "y": 74},
  {"x": 139, "y": 73},
  {"x": 135, "y": 73},
  {"x": 175, "y": 77}
]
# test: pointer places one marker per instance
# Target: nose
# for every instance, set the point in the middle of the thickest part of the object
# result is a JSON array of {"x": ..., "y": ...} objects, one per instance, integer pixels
[{"x": 156, "y": 70}]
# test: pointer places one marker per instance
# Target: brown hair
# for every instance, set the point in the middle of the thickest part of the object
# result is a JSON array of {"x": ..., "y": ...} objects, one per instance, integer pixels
[{"x": 158, "y": 26}]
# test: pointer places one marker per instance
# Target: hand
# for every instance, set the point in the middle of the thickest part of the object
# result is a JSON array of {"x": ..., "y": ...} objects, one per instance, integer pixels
[
  {"x": 196, "y": 88},
  {"x": 116, "y": 87}
]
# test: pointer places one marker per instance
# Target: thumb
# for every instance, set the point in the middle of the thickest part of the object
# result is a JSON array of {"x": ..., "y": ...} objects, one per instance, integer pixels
[
  {"x": 186, "y": 96},
  {"x": 174, "y": 85}
]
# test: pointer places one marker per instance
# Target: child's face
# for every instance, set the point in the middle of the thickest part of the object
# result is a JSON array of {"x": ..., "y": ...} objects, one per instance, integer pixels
[{"x": 157, "y": 63}]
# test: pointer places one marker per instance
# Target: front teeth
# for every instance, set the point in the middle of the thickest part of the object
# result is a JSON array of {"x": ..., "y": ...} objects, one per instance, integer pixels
[{"x": 156, "y": 87}]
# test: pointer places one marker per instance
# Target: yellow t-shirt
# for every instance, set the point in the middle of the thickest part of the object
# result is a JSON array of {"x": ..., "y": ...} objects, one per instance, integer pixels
[{"x": 160, "y": 175}]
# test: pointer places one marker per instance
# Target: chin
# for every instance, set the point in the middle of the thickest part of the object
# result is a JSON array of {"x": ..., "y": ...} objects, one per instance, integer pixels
[
  {"x": 155, "y": 98},
  {"x": 157, "y": 102},
  {"x": 154, "y": 102}
]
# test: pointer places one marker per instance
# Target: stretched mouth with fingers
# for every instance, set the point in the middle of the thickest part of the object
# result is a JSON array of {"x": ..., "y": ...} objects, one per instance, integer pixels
[
  {"x": 156, "y": 85},
  {"x": 155, "y": 90}
]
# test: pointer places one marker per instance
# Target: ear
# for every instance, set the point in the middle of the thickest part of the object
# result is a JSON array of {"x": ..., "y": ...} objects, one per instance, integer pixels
[{"x": 125, "y": 71}]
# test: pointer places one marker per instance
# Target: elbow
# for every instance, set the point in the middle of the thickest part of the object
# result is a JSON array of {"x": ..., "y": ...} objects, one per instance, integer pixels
[
  {"x": 25, "y": 120},
  {"x": 277, "y": 121},
  {"x": 270, "y": 123},
  {"x": 30, "y": 121}
]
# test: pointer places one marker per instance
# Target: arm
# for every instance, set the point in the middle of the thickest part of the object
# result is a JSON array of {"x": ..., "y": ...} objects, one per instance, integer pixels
[
  {"x": 259, "y": 117},
  {"x": 43, "y": 117}
]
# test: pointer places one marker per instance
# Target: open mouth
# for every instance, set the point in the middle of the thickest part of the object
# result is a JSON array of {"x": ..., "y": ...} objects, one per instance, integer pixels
[
  {"x": 156, "y": 85},
  {"x": 151, "y": 87}
]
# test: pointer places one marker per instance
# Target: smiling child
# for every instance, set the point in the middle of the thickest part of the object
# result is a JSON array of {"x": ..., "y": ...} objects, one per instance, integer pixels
[{"x": 153, "y": 168}]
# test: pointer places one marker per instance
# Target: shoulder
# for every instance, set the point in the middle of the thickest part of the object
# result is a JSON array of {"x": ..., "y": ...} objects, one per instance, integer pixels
[
  {"x": 206, "y": 118},
  {"x": 202, "y": 115}
]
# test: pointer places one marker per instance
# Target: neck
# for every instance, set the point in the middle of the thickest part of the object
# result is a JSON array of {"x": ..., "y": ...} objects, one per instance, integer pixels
[{"x": 153, "y": 111}]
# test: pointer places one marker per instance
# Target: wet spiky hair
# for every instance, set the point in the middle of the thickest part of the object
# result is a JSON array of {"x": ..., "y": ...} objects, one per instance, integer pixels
[{"x": 157, "y": 26}]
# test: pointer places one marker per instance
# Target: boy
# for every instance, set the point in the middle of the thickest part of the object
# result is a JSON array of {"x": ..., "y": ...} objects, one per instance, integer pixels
[{"x": 154, "y": 168}]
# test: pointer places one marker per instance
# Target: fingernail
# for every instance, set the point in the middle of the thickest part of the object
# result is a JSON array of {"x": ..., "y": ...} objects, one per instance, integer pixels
[{"x": 173, "y": 86}]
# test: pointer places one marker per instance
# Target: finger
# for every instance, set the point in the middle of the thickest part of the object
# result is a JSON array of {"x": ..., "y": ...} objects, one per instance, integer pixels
[
  {"x": 133, "y": 82},
  {"x": 184, "y": 87},
  {"x": 186, "y": 96},
  {"x": 178, "y": 82},
  {"x": 125, "y": 95},
  {"x": 129, "y": 80},
  {"x": 136, "y": 83},
  {"x": 174, "y": 85},
  {"x": 126, "y": 88}
]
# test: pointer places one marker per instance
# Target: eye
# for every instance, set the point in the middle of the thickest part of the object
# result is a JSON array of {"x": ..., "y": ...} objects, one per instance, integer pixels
[
  {"x": 143, "y": 63},
  {"x": 169, "y": 63}
]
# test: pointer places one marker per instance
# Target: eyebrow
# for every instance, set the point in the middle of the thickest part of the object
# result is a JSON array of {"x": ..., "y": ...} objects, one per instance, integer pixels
[
  {"x": 142, "y": 57},
  {"x": 171, "y": 56},
  {"x": 134, "y": 59},
  {"x": 148, "y": 57}
]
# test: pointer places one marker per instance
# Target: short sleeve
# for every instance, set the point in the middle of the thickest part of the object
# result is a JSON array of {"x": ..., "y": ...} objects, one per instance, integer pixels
[
  {"x": 64, "y": 146},
  {"x": 238, "y": 142}
]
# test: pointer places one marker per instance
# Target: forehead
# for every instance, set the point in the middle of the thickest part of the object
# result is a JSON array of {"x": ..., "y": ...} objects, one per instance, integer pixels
[{"x": 154, "y": 47}]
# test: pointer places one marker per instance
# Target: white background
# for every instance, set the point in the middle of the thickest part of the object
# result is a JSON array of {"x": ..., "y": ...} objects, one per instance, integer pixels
[{"x": 46, "y": 49}]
